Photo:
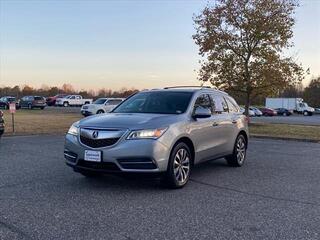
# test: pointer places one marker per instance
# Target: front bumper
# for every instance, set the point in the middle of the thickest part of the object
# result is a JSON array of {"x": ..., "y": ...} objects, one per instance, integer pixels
[
  {"x": 86, "y": 113},
  {"x": 142, "y": 156}
]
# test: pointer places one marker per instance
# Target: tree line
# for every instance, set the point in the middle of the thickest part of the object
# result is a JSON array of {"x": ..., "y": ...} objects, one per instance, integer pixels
[
  {"x": 26, "y": 90},
  {"x": 310, "y": 94}
]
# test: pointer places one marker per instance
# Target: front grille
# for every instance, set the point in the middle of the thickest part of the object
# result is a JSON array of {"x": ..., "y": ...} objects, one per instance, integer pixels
[
  {"x": 107, "y": 166},
  {"x": 98, "y": 143}
]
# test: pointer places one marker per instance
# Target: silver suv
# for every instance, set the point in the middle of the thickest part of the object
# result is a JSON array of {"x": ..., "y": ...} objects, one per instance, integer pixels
[{"x": 163, "y": 131}]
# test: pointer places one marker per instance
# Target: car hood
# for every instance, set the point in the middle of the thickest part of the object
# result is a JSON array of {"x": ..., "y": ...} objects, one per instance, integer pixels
[{"x": 129, "y": 120}]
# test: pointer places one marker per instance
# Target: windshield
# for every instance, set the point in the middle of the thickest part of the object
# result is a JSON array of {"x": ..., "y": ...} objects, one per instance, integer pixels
[
  {"x": 156, "y": 102},
  {"x": 11, "y": 99},
  {"x": 38, "y": 98},
  {"x": 100, "y": 101}
]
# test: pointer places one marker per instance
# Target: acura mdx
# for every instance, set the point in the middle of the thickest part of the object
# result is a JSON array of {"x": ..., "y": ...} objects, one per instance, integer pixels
[{"x": 164, "y": 131}]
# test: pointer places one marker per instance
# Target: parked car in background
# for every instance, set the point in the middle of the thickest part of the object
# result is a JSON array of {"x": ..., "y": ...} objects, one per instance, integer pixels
[
  {"x": 5, "y": 102},
  {"x": 268, "y": 112},
  {"x": 283, "y": 111},
  {"x": 251, "y": 112},
  {"x": 51, "y": 101},
  {"x": 163, "y": 131},
  {"x": 256, "y": 111},
  {"x": 31, "y": 102},
  {"x": 101, "y": 105},
  {"x": 317, "y": 110},
  {"x": 292, "y": 104},
  {"x": 1, "y": 123},
  {"x": 72, "y": 100}
]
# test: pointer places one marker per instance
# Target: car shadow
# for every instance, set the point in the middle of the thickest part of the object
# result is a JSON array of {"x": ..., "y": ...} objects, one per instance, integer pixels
[{"x": 148, "y": 182}]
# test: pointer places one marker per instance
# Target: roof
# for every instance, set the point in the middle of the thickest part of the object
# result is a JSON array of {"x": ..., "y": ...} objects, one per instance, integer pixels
[{"x": 189, "y": 89}]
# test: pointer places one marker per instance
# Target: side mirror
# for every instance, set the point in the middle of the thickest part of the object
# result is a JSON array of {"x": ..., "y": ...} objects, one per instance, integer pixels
[{"x": 201, "y": 112}]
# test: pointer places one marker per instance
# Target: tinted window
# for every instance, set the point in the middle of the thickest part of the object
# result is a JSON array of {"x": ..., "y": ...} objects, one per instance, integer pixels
[
  {"x": 114, "y": 102},
  {"x": 220, "y": 104},
  {"x": 156, "y": 102},
  {"x": 203, "y": 101},
  {"x": 100, "y": 101},
  {"x": 233, "y": 106},
  {"x": 38, "y": 98}
]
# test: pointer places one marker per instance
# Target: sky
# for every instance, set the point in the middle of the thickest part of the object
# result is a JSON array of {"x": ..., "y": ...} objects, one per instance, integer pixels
[{"x": 115, "y": 44}]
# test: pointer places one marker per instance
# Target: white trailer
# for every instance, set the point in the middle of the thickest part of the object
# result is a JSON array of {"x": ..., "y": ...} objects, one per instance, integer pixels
[{"x": 293, "y": 104}]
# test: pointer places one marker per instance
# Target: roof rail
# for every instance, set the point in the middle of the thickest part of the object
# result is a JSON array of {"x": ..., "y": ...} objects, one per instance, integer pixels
[{"x": 187, "y": 87}]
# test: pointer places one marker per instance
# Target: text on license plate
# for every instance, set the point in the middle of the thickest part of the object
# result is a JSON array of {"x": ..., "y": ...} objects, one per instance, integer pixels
[{"x": 93, "y": 156}]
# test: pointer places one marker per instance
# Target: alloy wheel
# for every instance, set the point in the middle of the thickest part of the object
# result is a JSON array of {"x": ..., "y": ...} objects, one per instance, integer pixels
[
  {"x": 181, "y": 165},
  {"x": 241, "y": 150}
]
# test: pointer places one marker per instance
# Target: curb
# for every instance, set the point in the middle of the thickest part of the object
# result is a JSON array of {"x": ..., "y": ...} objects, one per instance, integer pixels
[
  {"x": 251, "y": 136},
  {"x": 33, "y": 135},
  {"x": 284, "y": 138}
]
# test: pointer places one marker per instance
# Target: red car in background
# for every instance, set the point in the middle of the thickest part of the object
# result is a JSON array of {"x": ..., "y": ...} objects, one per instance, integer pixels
[
  {"x": 268, "y": 112},
  {"x": 51, "y": 101}
]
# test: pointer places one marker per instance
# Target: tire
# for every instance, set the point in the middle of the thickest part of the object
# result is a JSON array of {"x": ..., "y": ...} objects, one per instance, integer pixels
[
  {"x": 5, "y": 107},
  {"x": 237, "y": 159},
  {"x": 42, "y": 108},
  {"x": 29, "y": 106},
  {"x": 179, "y": 167},
  {"x": 100, "y": 111},
  {"x": 305, "y": 113},
  {"x": 285, "y": 114},
  {"x": 89, "y": 174},
  {"x": 66, "y": 104}
]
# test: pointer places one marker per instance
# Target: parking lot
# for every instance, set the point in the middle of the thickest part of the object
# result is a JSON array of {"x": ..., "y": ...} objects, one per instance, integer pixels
[
  {"x": 294, "y": 119},
  {"x": 276, "y": 195}
]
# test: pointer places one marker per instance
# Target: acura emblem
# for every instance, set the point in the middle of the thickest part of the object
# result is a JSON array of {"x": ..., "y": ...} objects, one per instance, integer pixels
[{"x": 95, "y": 134}]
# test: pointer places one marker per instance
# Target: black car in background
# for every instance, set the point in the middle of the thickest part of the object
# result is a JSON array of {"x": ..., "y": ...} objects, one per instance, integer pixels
[
  {"x": 5, "y": 102},
  {"x": 31, "y": 102},
  {"x": 283, "y": 111},
  {"x": 1, "y": 123}
]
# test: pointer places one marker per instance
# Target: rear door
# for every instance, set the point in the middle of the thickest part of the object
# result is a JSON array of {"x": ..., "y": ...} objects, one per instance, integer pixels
[
  {"x": 224, "y": 121},
  {"x": 236, "y": 121}
]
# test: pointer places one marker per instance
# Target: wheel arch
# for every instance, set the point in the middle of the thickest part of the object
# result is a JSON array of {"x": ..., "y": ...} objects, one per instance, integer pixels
[
  {"x": 189, "y": 143},
  {"x": 242, "y": 132}
]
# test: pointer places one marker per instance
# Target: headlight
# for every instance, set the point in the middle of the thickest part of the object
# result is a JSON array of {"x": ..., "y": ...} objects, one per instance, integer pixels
[
  {"x": 147, "y": 133},
  {"x": 74, "y": 129}
]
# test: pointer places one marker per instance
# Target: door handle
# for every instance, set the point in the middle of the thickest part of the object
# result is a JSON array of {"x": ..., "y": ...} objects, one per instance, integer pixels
[{"x": 215, "y": 124}]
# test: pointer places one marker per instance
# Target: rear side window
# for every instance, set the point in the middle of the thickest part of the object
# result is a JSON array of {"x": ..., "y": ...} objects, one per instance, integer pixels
[
  {"x": 233, "y": 106},
  {"x": 203, "y": 101},
  {"x": 38, "y": 98},
  {"x": 219, "y": 103}
]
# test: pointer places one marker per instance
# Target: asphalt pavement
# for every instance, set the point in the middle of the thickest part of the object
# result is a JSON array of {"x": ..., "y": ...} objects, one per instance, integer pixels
[{"x": 275, "y": 195}]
